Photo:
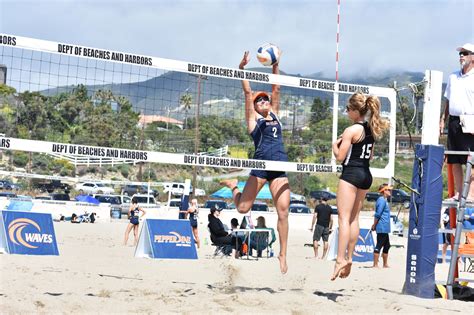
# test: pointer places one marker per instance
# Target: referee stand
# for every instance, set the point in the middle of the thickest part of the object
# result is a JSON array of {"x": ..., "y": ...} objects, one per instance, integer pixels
[{"x": 456, "y": 214}]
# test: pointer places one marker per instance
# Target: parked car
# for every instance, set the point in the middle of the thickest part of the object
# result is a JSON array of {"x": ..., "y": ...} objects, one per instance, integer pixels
[
  {"x": 50, "y": 185},
  {"x": 297, "y": 202},
  {"x": 299, "y": 208},
  {"x": 395, "y": 225},
  {"x": 8, "y": 185},
  {"x": 144, "y": 199},
  {"x": 260, "y": 206},
  {"x": 211, "y": 204},
  {"x": 177, "y": 189},
  {"x": 334, "y": 210},
  {"x": 131, "y": 189},
  {"x": 114, "y": 202},
  {"x": 7, "y": 194},
  {"x": 93, "y": 188},
  {"x": 175, "y": 203},
  {"x": 60, "y": 196},
  {"x": 320, "y": 194},
  {"x": 398, "y": 196}
]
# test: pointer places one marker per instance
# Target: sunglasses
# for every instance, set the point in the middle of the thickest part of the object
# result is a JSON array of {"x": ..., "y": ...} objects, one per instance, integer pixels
[
  {"x": 262, "y": 98},
  {"x": 465, "y": 53}
]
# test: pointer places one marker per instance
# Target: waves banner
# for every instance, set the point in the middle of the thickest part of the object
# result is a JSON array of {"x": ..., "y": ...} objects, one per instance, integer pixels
[{"x": 28, "y": 233}]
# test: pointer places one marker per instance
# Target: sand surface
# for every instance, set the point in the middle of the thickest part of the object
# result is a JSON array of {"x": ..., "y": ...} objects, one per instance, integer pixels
[{"x": 95, "y": 273}]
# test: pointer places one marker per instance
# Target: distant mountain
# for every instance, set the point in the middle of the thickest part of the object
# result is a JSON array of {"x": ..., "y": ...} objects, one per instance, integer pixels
[{"x": 161, "y": 95}]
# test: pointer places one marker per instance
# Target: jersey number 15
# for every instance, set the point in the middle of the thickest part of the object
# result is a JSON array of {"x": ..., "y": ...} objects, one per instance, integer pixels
[{"x": 366, "y": 151}]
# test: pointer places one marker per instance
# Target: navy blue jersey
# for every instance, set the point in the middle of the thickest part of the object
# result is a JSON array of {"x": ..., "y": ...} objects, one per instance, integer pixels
[
  {"x": 135, "y": 212},
  {"x": 360, "y": 152},
  {"x": 268, "y": 140}
]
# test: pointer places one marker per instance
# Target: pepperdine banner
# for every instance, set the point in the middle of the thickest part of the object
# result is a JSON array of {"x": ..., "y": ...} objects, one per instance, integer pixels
[{"x": 166, "y": 239}]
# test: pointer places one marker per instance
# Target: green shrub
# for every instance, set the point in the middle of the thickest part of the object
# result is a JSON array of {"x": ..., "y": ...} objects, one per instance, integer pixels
[{"x": 20, "y": 159}]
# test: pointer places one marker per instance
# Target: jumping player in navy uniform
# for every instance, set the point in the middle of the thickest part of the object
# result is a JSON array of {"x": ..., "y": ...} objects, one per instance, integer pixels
[
  {"x": 355, "y": 149},
  {"x": 263, "y": 125},
  {"x": 134, "y": 216}
]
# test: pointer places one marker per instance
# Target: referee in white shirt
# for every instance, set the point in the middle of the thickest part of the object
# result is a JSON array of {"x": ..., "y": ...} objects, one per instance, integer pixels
[{"x": 459, "y": 96}]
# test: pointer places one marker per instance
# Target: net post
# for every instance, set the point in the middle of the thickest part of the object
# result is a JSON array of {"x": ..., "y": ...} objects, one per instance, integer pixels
[{"x": 432, "y": 107}]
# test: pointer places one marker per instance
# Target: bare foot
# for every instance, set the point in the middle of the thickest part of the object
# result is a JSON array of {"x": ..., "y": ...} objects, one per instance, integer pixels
[
  {"x": 346, "y": 271},
  {"x": 338, "y": 267},
  {"x": 231, "y": 183},
  {"x": 375, "y": 266},
  {"x": 283, "y": 264},
  {"x": 386, "y": 266}
]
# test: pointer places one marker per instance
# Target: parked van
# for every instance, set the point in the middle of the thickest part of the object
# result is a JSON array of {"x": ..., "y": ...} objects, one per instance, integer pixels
[{"x": 177, "y": 189}]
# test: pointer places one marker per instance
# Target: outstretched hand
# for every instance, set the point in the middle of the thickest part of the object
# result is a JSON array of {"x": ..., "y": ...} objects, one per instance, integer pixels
[{"x": 245, "y": 60}]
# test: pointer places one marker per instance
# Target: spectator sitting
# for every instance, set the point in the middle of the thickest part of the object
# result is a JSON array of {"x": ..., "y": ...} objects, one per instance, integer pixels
[
  {"x": 75, "y": 218},
  {"x": 219, "y": 236},
  {"x": 261, "y": 240}
]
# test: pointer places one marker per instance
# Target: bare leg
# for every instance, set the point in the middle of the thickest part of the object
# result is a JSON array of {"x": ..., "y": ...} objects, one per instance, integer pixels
[
  {"x": 376, "y": 260},
  {"x": 244, "y": 200},
  {"x": 135, "y": 234},
  {"x": 354, "y": 228},
  {"x": 280, "y": 190},
  {"x": 443, "y": 251},
  {"x": 315, "y": 248},
  {"x": 385, "y": 260},
  {"x": 127, "y": 232},
  {"x": 458, "y": 179},
  {"x": 196, "y": 237},
  {"x": 346, "y": 196},
  {"x": 325, "y": 249}
]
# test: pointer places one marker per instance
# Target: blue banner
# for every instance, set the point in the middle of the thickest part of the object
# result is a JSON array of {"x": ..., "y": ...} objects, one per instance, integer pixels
[
  {"x": 171, "y": 239},
  {"x": 425, "y": 215},
  {"x": 29, "y": 233},
  {"x": 364, "y": 249}
]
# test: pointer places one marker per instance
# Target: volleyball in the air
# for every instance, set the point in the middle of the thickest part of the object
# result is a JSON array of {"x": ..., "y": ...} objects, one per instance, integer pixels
[{"x": 268, "y": 54}]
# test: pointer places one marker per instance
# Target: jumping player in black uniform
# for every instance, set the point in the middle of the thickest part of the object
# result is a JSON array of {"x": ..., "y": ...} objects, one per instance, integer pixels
[
  {"x": 355, "y": 149},
  {"x": 263, "y": 125}
]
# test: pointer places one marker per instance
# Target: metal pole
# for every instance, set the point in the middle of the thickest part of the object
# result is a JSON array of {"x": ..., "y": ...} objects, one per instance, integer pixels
[
  {"x": 196, "y": 133},
  {"x": 459, "y": 226}
]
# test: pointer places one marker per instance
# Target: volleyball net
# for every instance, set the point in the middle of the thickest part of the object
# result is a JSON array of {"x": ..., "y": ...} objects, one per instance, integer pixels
[{"x": 69, "y": 100}]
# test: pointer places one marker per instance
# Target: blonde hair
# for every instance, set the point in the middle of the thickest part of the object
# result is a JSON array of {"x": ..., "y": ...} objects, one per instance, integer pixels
[{"x": 363, "y": 104}]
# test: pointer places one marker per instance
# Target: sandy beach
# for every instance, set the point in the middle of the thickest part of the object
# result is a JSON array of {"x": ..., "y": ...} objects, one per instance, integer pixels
[{"x": 95, "y": 273}]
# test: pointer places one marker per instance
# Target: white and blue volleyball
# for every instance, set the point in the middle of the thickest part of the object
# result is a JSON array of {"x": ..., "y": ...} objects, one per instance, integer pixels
[{"x": 268, "y": 54}]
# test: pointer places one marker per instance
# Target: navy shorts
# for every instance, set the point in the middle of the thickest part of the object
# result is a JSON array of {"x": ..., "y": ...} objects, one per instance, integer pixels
[
  {"x": 268, "y": 175},
  {"x": 458, "y": 141},
  {"x": 357, "y": 176}
]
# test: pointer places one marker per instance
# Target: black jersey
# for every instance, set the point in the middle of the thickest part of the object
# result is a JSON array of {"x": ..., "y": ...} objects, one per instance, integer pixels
[{"x": 360, "y": 152}]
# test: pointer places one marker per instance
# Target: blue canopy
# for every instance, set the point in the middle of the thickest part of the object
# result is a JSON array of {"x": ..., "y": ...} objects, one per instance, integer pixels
[
  {"x": 88, "y": 199},
  {"x": 227, "y": 193}
]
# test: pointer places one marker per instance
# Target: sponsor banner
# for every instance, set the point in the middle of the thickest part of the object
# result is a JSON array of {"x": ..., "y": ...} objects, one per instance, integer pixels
[
  {"x": 29, "y": 233},
  {"x": 425, "y": 216},
  {"x": 174, "y": 158},
  {"x": 166, "y": 239},
  {"x": 364, "y": 249},
  {"x": 81, "y": 51}
]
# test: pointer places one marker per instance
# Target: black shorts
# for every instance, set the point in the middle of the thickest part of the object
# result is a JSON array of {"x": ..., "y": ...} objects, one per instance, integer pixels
[
  {"x": 320, "y": 231},
  {"x": 458, "y": 141},
  {"x": 357, "y": 176},
  {"x": 446, "y": 237},
  {"x": 383, "y": 240},
  {"x": 268, "y": 175}
]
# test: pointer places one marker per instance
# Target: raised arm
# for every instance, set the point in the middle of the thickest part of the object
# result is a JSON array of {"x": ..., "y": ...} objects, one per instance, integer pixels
[
  {"x": 250, "y": 113},
  {"x": 276, "y": 91}
]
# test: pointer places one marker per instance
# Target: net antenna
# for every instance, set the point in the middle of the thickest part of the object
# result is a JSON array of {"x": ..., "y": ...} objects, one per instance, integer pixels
[{"x": 96, "y": 96}]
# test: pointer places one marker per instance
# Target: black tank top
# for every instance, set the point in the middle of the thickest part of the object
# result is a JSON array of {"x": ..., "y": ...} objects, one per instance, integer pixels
[{"x": 359, "y": 153}]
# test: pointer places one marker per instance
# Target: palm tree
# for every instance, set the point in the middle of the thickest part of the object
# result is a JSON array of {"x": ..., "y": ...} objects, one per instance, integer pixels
[{"x": 186, "y": 100}]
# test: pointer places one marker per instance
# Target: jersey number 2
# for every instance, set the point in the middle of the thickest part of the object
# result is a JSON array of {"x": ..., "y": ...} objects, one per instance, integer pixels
[
  {"x": 274, "y": 129},
  {"x": 366, "y": 148}
]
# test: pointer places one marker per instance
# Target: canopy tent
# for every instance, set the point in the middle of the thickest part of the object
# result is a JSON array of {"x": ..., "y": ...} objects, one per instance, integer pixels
[
  {"x": 264, "y": 193},
  {"x": 88, "y": 199}
]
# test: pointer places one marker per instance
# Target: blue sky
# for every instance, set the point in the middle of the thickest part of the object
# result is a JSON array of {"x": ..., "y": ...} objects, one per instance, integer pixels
[{"x": 376, "y": 36}]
